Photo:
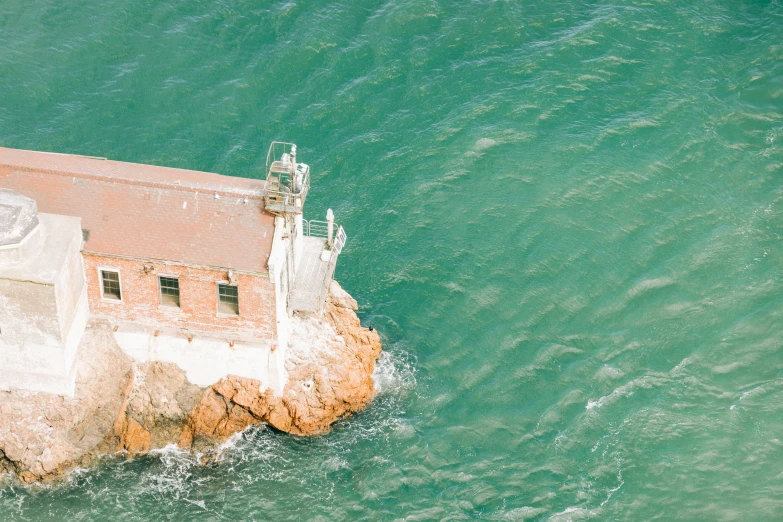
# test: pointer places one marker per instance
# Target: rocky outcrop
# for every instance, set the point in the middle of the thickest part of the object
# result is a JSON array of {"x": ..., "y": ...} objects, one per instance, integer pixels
[
  {"x": 42, "y": 435},
  {"x": 329, "y": 364},
  {"x": 121, "y": 406}
]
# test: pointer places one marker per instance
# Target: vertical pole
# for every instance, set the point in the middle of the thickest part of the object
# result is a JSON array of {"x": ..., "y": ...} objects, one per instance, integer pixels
[
  {"x": 293, "y": 158},
  {"x": 330, "y": 227},
  {"x": 292, "y": 176}
]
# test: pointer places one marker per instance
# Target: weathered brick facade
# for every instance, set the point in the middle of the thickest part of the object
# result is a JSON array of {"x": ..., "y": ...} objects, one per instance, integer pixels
[{"x": 198, "y": 297}]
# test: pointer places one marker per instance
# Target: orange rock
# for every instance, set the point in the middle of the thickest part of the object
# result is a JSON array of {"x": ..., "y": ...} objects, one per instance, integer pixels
[
  {"x": 136, "y": 439},
  {"x": 186, "y": 438},
  {"x": 226, "y": 388},
  {"x": 237, "y": 420},
  {"x": 280, "y": 417},
  {"x": 208, "y": 414}
]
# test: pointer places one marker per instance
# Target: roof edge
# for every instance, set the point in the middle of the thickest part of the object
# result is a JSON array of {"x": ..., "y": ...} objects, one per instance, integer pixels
[
  {"x": 140, "y": 183},
  {"x": 178, "y": 263}
]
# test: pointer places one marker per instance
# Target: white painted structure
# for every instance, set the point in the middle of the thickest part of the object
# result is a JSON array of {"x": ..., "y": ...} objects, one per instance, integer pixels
[
  {"x": 43, "y": 297},
  {"x": 44, "y": 307}
]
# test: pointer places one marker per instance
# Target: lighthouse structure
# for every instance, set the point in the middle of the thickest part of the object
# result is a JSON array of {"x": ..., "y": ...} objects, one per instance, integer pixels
[{"x": 193, "y": 268}]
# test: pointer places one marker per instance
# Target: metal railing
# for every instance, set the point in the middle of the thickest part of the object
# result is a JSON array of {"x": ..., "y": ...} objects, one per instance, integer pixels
[
  {"x": 276, "y": 151},
  {"x": 320, "y": 229},
  {"x": 285, "y": 189},
  {"x": 287, "y": 181},
  {"x": 281, "y": 196},
  {"x": 315, "y": 228},
  {"x": 339, "y": 243}
]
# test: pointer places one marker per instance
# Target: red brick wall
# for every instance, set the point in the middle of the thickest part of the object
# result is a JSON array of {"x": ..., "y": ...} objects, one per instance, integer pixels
[{"x": 198, "y": 297}]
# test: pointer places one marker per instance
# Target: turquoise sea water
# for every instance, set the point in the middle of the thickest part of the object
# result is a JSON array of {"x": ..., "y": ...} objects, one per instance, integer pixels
[{"x": 564, "y": 218}]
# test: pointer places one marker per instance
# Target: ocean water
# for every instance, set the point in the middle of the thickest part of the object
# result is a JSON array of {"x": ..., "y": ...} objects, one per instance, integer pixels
[{"x": 564, "y": 219}]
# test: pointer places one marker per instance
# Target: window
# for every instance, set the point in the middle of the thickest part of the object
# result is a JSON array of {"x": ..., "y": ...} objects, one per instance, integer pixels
[
  {"x": 228, "y": 299},
  {"x": 111, "y": 284},
  {"x": 169, "y": 291}
]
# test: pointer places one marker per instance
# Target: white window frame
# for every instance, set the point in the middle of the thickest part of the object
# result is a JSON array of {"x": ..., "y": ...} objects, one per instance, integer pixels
[
  {"x": 101, "y": 270},
  {"x": 160, "y": 293}
]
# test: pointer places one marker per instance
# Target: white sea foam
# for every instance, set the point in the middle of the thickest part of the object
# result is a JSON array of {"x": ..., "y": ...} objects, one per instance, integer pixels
[
  {"x": 484, "y": 143},
  {"x": 168, "y": 449},
  {"x": 393, "y": 374},
  {"x": 199, "y": 503},
  {"x": 523, "y": 513},
  {"x": 751, "y": 393},
  {"x": 229, "y": 445},
  {"x": 608, "y": 373},
  {"x": 627, "y": 389},
  {"x": 615, "y": 489},
  {"x": 649, "y": 284},
  {"x": 574, "y": 513},
  {"x": 6, "y": 480}
]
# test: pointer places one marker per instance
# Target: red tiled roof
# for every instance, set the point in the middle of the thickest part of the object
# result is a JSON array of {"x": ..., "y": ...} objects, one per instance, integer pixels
[{"x": 149, "y": 212}]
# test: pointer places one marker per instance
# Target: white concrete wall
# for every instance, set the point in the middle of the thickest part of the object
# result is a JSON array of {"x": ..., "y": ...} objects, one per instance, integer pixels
[
  {"x": 277, "y": 357},
  {"x": 70, "y": 283},
  {"x": 299, "y": 241},
  {"x": 48, "y": 367},
  {"x": 278, "y": 272},
  {"x": 29, "y": 246},
  {"x": 43, "y": 312},
  {"x": 74, "y": 336},
  {"x": 204, "y": 360},
  {"x": 28, "y": 313}
]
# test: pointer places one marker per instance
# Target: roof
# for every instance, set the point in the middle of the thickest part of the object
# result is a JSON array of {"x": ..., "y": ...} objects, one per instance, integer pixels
[
  {"x": 149, "y": 212},
  {"x": 18, "y": 217},
  {"x": 58, "y": 243}
]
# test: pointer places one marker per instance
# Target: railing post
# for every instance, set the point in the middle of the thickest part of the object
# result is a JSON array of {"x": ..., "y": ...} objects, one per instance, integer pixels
[{"x": 330, "y": 227}]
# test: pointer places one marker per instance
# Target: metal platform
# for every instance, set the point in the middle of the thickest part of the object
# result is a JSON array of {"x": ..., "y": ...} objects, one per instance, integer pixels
[
  {"x": 282, "y": 208},
  {"x": 308, "y": 292},
  {"x": 287, "y": 182}
]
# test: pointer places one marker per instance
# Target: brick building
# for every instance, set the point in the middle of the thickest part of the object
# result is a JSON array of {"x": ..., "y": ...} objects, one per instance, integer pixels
[{"x": 194, "y": 268}]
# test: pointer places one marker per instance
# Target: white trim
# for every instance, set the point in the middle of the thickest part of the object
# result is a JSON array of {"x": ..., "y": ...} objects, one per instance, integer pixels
[{"x": 102, "y": 269}]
